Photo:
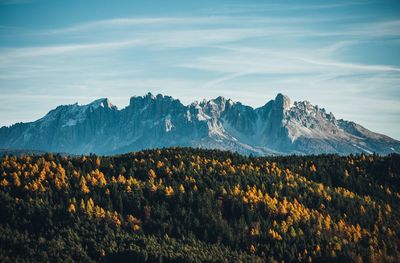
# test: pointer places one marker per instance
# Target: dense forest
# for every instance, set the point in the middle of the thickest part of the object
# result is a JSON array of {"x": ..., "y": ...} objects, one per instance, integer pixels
[{"x": 194, "y": 205}]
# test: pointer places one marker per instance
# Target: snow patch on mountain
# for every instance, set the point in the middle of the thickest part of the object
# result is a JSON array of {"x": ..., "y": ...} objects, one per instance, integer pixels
[
  {"x": 168, "y": 123},
  {"x": 70, "y": 122}
]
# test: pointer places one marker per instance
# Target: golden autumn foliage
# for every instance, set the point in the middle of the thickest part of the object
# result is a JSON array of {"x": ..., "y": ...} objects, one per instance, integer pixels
[
  {"x": 16, "y": 180},
  {"x": 169, "y": 191},
  {"x": 71, "y": 208},
  {"x": 84, "y": 187},
  {"x": 253, "y": 248},
  {"x": 152, "y": 175},
  {"x": 133, "y": 223},
  {"x": 181, "y": 189},
  {"x": 4, "y": 182},
  {"x": 333, "y": 206}
]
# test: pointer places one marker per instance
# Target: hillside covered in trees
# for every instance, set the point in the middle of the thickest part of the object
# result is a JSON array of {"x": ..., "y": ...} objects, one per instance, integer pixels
[{"x": 184, "y": 204}]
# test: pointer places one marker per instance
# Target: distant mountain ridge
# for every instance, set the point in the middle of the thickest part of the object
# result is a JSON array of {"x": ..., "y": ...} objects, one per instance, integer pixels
[{"x": 149, "y": 121}]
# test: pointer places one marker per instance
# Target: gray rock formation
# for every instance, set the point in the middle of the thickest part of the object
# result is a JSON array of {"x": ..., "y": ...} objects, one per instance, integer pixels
[{"x": 161, "y": 121}]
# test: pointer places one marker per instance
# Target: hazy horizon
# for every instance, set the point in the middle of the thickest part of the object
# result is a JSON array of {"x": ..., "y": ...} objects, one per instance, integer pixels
[{"x": 343, "y": 56}]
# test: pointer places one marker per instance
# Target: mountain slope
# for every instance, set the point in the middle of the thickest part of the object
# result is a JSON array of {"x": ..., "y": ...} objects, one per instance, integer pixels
[{"x": 150, "y": 121}]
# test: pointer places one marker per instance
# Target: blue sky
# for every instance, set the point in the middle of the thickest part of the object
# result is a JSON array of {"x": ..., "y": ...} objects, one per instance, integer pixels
[{"x": 341, "y": 55}]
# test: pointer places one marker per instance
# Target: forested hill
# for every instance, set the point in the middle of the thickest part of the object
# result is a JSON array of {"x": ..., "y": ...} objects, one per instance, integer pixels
[{"x": 184, "y": 204}]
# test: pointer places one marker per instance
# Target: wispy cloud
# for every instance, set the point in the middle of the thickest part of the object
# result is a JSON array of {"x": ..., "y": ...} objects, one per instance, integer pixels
[
  {"x": 274, "y": 7},
  {"x": 62, "y": 49},
  {"x": 210, "y": 21},
  {"x": 246, "y": 52},
  {"x": 256, "y": 61},
  {"x": 351, "y": 66},
  {"x": 125, "y": 22}
]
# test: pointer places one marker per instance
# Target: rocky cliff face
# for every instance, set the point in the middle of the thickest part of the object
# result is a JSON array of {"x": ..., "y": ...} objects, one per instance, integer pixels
[{"x": 150, "y": 121}]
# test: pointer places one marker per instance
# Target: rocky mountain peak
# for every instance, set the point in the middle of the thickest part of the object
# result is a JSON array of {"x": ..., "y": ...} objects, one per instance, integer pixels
[
  {"x": 103, "y": 103},
  {"x": 161, "y": 121},
  {"x": 304, "y": 110},
  {"x": 220, "y": 100},
  {"x": 150, "y": 96},
  {"x": 282, "y": 101}
]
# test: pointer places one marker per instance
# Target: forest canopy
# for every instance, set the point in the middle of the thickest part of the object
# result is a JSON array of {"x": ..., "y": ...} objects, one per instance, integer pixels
[{"x": 196, "y": 205}]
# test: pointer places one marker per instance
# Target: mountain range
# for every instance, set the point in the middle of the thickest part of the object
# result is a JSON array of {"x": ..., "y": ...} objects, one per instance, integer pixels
[{"x": 278, "y": 127}]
